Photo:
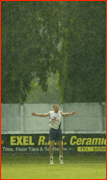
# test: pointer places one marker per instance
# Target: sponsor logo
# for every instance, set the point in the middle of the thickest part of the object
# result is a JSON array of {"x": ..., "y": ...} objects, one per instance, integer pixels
[
  {"x": 91, "y": 149},
  {"x": 21, "y": 140},
  {"x": 87, "y": 141},
  {"x": 42, "y": 141}
]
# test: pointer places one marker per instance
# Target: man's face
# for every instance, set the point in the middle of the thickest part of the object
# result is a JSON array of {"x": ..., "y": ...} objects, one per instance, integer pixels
[{"x": 56, "y": 108}]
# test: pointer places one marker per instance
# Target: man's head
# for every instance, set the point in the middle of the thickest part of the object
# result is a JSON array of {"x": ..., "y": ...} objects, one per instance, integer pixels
[{"x": 56, "y": 107}]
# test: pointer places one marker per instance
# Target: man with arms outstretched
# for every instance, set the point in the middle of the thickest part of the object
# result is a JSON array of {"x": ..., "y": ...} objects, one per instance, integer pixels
[{"x": 55, "y": 133}]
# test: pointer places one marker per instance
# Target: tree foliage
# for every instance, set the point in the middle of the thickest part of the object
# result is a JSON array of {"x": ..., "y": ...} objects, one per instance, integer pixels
[
  {"x": 28, "y": 45},
  {"x": 41, "y": 37},
  {"x": 83, "y": 54},
  {"x": 36, "y": 95}
]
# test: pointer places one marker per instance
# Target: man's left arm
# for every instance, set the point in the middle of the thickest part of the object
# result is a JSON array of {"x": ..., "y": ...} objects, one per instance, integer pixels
[{"x": 67, "y": 114}]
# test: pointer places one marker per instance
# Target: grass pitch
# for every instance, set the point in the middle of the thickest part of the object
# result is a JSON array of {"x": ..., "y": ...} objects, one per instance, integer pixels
[{"x": 38, "y": 167}]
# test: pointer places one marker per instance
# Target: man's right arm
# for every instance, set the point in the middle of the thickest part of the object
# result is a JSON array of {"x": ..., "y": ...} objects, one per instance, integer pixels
[{"x": 40, "y": 115}]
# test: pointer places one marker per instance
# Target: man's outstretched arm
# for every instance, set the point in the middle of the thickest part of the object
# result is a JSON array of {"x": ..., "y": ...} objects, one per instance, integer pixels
[
  {"x": 41, "y": 115},
  {"x": 67, "y": 114}
]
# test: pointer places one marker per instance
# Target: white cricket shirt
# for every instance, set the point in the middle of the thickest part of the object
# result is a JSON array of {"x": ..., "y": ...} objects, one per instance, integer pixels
[{"x": 55, "y": 119}]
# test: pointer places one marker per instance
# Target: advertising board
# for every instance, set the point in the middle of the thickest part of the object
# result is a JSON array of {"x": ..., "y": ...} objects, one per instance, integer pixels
[{"x": 39, "y": 143}]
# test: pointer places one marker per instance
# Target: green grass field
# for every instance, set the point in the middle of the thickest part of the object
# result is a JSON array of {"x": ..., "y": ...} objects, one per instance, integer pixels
[{"x": 38, "y": 167}]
